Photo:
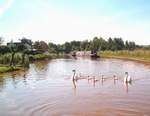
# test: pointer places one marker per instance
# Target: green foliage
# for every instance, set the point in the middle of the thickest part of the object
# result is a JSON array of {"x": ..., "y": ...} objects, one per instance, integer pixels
[
  {"x": 76, "y": 45},
  {"x": 96, "y": 44},
  {"x": 1, "y": 40},
  {"x": 4, "y": 49},
  {"x": 26, "y": 41},
  {"x": 53, "y": 48},
  {"x": 4, "y": 69},
  {"x": 6, "y": 59},
  {"x": 39, "y": 56}
]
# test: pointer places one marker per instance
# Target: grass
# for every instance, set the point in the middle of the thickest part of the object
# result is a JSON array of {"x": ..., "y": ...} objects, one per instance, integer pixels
[
  {"x": 141, "y": 55},
  {"x": 6, "y": 58},
  {"x": 4, "y": 69}
]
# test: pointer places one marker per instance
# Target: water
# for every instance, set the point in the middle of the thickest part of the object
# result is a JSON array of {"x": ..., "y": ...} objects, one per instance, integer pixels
[{"x": 47, "y": 89}]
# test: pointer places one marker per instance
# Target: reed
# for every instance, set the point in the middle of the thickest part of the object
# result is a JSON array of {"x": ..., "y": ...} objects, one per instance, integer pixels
[
  {"x": 6, "y": 58},
  {"x": 135, "y": 54}
]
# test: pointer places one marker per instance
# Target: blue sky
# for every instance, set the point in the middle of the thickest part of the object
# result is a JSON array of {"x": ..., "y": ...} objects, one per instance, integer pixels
[{"x": 66, "y": 20}]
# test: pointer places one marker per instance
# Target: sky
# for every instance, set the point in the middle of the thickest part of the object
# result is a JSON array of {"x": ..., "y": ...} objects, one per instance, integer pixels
[{"x": 59, "y": 21}]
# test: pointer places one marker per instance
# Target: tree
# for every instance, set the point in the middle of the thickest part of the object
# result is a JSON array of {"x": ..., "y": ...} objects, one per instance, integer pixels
[
  {"x": 132, "y": 45},
  {"x": 4, "y": 49},
  {"x": 118, "y": 44},
  {"x": 25, "y": 47},
  {"x": 67, "y": 47},
  {"x": 41, "y": 46},
  {"x": 110, "y": 44},
  {"x": 26, "y": 41},
  {"x": 75, "y": 45},
  {"x": 53, "y": 48},
  {"x": 98, "y": 44},
  {"x": 84, "y": 45},
  {"x": 37, "y": 45},
  {"x": 1, "y": 40},
  {"x": 13, "y": 49}
]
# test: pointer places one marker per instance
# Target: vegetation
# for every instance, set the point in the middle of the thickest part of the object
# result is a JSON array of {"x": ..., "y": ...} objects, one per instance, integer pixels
[
  {"x": 143, "y": 55},
  {"x": 40, "y": 57},
  {"x": 95, "y": 44},
  {"x": 1, "y": 40},
  {"x": 7, "y": 69}
]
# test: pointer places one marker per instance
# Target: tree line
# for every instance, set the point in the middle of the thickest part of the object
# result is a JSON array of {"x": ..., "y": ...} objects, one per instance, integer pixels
[
  {"x": 97, "y": 44},
  {"x": 27, "y": 46}
]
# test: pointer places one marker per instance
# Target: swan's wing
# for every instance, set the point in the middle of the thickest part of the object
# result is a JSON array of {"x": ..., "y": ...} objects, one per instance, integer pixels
[
  {"x": 129, "y": 78},
  {"x": 125, "y": 78}
]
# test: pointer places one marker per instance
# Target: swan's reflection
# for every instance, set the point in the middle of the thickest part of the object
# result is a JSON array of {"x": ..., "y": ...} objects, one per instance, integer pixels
[
  {"x": 127, "y": 86},
  {"x": 74, "y": 86},
  {"x": 74, "y": 83}
]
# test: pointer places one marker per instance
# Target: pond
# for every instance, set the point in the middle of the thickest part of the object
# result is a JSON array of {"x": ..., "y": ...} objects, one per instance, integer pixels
[{"x": 47, "y": 89}]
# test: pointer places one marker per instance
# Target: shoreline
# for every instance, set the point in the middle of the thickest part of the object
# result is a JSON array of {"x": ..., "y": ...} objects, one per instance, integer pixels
[
  {"x": 127, "y": 58},
  {"x": 6, "y": 69},
  {"x": 12, "y": 68}
]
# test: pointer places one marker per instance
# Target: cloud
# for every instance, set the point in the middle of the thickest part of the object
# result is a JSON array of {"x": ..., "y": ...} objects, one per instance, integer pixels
[
  {"x": 53, "y": 24},
  {"x": 6, "y": 6}
]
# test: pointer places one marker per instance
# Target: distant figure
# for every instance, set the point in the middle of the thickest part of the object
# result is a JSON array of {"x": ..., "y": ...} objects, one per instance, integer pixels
[{"x": 127, "y": 78}]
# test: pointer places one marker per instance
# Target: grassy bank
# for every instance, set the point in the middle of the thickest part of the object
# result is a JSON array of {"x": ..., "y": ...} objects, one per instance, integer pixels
[
  {"x": 4, "y": 69},
  {"x": 17, "y": 63},
  {"x": 47, "y": 56},
  {"x": 140, "y": 55}
]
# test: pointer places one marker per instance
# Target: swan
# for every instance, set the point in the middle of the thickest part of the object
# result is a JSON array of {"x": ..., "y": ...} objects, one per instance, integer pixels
[
  {"x": 127, "y": 78},
  {"x": 115, "y": 77},
  {"x": 74, "y": 73},
  {"x": 103, "y": 78}
]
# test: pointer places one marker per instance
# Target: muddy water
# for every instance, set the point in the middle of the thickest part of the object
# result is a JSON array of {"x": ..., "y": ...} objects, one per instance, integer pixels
[{"x": 47, "y": 89}]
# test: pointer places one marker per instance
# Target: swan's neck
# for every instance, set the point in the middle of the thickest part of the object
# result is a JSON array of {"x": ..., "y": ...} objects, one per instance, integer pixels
[
  {"x": 126, "y": 75},
  {"x": 73, "y": 78}
]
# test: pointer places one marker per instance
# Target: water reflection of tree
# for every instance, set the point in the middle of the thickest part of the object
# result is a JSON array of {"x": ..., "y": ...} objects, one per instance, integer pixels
[
  {"x": 40, "y": 65},
  {"x": 13, "y": 77},
  {"x": 2, "y": 83},
  {"x": 14, "y": 82}
]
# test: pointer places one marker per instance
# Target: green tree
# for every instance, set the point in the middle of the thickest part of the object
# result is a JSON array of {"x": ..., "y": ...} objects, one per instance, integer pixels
[
  {"x": 85, "y": 45},
  {"x": 119, "y": 44},
  {"x": 25, "y": 47},
  {"x": 41, "y": 46},
  {"x": 98, "y": 44},
  {"x": 75, "y": 45},
  {"x": 53, "y": 48},
  {"x": 1, "y": 40},
  {"x": 13, "y": 49},
  {"x": 67, "y": 47}
]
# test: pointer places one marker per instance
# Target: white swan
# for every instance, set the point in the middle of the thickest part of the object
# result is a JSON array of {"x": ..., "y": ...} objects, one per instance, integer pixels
[
  {"x": 74, "y": 75},
  {"x": 127, "y": 78}
]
